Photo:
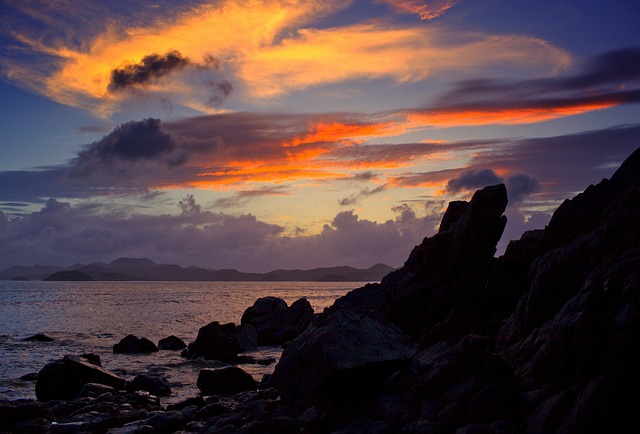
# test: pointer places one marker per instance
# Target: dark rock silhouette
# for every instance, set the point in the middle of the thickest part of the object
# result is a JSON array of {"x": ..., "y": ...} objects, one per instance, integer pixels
[
  {"x": 131, "y": 344},
  {"x": 39, "y": 337},
  {"x": 275, "y": 321},
  {"x": 172, "y": 343},
  {"x": 246, "y": 337},
  {"x": 215, "y": 341},
  {"x": 65, "y": 378},
  {"x": 226, "y": 380},
  {"x": 544, "y": 339},
  {"x": 154, "y": 384},
  {"x": 339, "y": 359}
]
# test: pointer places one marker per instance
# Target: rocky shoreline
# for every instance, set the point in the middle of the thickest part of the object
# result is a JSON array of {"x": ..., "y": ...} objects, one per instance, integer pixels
[{"x": 544, "y": 339}]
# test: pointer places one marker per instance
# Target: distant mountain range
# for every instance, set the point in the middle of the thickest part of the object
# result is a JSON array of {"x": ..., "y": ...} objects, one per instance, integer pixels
[{"x": 145, "y": 269}]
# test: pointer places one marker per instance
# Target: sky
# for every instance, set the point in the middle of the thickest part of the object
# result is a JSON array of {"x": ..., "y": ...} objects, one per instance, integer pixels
[{"x": 266, "y": 134}]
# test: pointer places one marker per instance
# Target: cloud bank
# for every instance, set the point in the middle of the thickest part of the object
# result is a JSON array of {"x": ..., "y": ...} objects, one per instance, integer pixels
[{"x": 63, "y": 234}]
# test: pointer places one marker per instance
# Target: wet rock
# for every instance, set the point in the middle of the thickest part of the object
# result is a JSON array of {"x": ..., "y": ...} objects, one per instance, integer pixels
[
  {"x": 65, "y": 378},
  {"x": 172, "y": 343},
  {"x": 92, "y": 390},
  {"x": 94, "y": 359},
  {"x": 154, "y": 384},
  {"x": 226, "y": 380},
  {"x": 275, "y": 322},
  {"x": 214, "y": 342},
  {"x": 132, "y": 345}
]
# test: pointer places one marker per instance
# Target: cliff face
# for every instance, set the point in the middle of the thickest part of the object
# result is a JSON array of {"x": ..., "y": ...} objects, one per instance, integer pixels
[{"x": 544, "y": 339}]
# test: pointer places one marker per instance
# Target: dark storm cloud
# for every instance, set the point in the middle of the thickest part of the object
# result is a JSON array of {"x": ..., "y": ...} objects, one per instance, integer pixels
[
  {"x": 149, "y": 70},
  {"x": 609, "y": 78},
  {"x": 135, "y": 140}
]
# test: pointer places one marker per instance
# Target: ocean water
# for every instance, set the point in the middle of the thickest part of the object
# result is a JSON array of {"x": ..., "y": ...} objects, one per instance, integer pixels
[{"x": 90, "y": 317}]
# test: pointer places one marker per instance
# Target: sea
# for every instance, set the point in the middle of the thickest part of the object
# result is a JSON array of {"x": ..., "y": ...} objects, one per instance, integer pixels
[{"x": 90, "y": 317}]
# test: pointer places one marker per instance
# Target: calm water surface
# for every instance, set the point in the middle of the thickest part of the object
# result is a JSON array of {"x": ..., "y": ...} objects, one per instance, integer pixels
[{"x": 91, "y": 317}]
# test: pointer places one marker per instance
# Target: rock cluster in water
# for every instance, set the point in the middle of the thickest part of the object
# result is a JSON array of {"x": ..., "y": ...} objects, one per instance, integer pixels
[{"x": 544, "y": 339}]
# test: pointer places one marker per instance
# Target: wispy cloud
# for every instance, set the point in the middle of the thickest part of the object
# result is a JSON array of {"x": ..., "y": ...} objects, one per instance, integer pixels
[
  {"x": 425, "y": 9},
  {"x": 353, "y": 199},
  {"x": 608, "y": 80},
  {"x": 263, "y": 49},
  {"x": 243, "y": 197}
]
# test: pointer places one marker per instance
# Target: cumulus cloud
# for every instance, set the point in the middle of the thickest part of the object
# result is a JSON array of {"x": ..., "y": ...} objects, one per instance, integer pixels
[
  {"x": 518, "y": 185},
  {"x": 521, "y": 185},
  {"x": 64, "y": 234},
  {"x": 473, "y": 179},
  {"x": 147, "y": 71}
]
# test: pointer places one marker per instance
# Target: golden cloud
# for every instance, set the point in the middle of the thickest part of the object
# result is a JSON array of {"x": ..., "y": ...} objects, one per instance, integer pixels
[{"x": 265, "y": 48}]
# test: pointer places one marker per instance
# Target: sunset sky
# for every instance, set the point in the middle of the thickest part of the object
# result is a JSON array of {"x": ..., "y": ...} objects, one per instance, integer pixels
[{"x": 266, "y": 134}]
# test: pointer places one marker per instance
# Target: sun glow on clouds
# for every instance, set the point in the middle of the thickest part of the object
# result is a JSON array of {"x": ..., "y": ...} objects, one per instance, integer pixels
[
  {"x": 425, "y": 9},
  {"x": 265, "y": 48}
]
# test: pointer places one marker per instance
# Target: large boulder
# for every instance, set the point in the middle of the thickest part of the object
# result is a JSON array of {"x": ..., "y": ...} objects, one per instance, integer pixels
[
  {"x": 340, "y": 359},
  {"x": 215, "y": 341},
  {"x": 131, "y": 344},
  {"x": 65, "y": 378},
  {"x": 275, "y": 321},
  {"x": 226, "y": 380}
]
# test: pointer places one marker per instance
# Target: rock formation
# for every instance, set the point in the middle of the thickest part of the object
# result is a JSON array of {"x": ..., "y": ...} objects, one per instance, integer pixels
[{"x": 544, "y": 339}]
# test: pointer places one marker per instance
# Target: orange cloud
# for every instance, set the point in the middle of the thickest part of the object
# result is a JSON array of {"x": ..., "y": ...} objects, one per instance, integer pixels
[
  {"x": 499, "y": 116},
  {"x": 227, "y": 30},
  {"x": 314, "y": 57},
  {"x": 266, "y": 48}
]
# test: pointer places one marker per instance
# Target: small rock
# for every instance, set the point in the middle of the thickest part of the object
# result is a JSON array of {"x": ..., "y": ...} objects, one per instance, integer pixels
[
  {"x": 39, "y": 337},
  {"x": 226, "y": 380},
  {"x": 172, "y": 343},
  {"x": 215, "y": 341},
  {"x": 156, "y": 385},
  {"x": 31, "y": 376},
  {"x": 93, "y": 390},
  {"x": 165, "y": 421},
  {"x": 132, "y": 344}
]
